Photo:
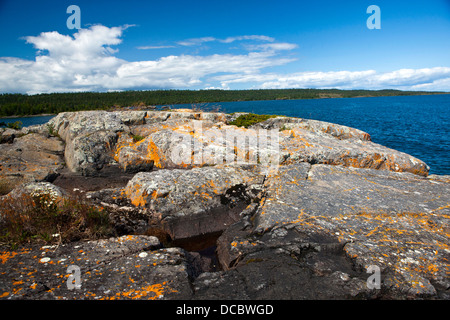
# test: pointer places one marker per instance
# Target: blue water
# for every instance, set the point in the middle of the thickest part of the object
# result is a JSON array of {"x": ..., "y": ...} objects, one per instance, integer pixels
[
  {"x": 417, "y": 125},
  {"x": 28, "y": 121}
]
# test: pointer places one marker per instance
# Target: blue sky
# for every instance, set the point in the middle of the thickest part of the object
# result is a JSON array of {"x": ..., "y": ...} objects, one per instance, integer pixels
[{"x": 128, "y": 45}]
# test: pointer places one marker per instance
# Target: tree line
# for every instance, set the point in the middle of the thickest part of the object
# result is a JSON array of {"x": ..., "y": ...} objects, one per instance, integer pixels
[{"x": 52, "y": 103}]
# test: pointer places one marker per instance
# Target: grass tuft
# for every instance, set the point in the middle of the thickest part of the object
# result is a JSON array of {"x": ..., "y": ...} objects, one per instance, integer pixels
[{"x": 41, "y": 219}]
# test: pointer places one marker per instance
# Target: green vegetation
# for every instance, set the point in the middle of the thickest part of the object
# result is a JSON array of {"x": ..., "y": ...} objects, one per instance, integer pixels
[
  {"x": 41, "y": 219},
  {"x": 249, "y": 119},
  {"x": 137, "y": 138},
  {"x": 12, "y": 125},
  {"x": 20, "y": 104},
  {"x": 51, "y": 130}
]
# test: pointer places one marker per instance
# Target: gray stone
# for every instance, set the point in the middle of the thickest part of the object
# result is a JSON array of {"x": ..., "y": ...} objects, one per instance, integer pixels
[
  {"x": 193, "y": 202},
  {"x": 128, "y": 267},
  {"x": 397, "y": 222},
  {"x": 30, "y": 158}
]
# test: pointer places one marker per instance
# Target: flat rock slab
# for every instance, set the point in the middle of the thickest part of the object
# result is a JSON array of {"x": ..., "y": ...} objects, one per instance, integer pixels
[
  {"x": 129, "y": 267},
  {"x": 286, "y": 266},
  {"x": 398, "y": 222}
]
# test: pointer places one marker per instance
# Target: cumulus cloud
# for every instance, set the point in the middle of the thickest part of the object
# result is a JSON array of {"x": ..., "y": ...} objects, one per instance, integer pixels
[
  {"x": 86, "y": 61},
  {"x": 403, "y": 79}
]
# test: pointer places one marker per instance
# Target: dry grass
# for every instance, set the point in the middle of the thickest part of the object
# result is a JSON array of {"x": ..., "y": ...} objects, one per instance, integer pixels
[{"x": 44, "y": 220}]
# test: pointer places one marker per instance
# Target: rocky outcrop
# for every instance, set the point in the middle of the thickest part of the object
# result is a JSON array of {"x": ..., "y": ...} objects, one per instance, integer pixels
[
  {"x": 396, "y": 222},
  {"x": 188, "y": 203},
  {"x": 30, "y": 158},
  {"x": 128, "y": 267},
  {"x": 140, "y": 140},
  {"x": 293, "y": 208}
]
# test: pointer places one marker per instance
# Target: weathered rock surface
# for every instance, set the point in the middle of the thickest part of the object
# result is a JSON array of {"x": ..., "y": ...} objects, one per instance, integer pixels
[
  {"x": 128, "y": 267},
  {"x": 397, "y": 222},
  {"x": 89, "y": 136},
  {"x": 189, "y": 203},
  {"x": 182, "y": 139},
  {"x": 303, "y": 208},
  {"x": 30, "y": 158}
]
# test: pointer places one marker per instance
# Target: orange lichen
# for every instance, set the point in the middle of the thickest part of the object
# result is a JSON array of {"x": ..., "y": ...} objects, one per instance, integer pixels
[
  {"x": 153, "y": 154},
  {"x": 6, "y": 255},
  {"x": 151, "y": 292}
]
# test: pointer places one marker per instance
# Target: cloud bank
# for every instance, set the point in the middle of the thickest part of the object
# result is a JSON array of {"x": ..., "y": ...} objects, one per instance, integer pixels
[{"x": 86, "y": 61}]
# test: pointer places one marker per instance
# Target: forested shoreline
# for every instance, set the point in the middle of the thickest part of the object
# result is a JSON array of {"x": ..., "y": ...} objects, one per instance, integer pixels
[{"x": 22, "y": 104}]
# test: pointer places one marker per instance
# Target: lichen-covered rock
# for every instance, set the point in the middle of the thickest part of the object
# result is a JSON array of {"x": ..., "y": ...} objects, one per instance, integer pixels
[
  {"x": 90, "y": 137},
  {"x": 319, "y": 127},
  {"x": 139, "y": 140},
  {"x": 194, "y": 202},
  {"x": 302, "y": 145},
  {"x": 89, "y": 153},
  {"x": 397, "y": 222},
  {"x": 38, "y": 189},
  {"x": 196, "y": 143},
  {"x": 128, "y": 267},
  {"x": 305, "y": 209}
]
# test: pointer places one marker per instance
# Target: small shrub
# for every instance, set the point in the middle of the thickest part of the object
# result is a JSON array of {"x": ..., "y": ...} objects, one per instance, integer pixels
[
  {"x": 51, "y": 130},
  {"x": 40, "y": 218},
  {"x": 137, "y": 138},
  {"x": 15, "y": 125},
  {"x": 247, "y": 120}
]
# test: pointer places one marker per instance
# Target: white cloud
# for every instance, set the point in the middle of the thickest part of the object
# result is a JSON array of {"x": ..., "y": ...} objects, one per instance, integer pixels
[
  {"x": 154, "y": 47},
  {"x": 404, "y": 79},
  {"x": 86, "y": 61},
  {"x": 273, "y": 46},
  {"x": 199, "y": 41},
  {"x": 196, "y": 41},
  {"x": 251, "y": 37}
]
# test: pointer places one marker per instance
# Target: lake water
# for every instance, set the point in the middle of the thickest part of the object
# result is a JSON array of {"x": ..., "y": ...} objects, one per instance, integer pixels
[{"x": 417, "y": 125}]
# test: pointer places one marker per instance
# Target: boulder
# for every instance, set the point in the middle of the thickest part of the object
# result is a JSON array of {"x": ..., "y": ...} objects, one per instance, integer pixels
[
  {"x": 189, "y": 203},
  {"x": 37, "y": 189},
  {"x": 90, "y": 137},
  {"x": 30, "y": 158}
]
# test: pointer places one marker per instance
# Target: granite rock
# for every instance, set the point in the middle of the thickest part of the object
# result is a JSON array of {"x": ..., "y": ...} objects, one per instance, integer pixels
[{"x": 30, "y": 158}]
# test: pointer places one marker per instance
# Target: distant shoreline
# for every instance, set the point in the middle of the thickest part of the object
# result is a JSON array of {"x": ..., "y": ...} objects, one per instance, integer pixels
[
  {"x": 29, "y": 116},
  {"x": 12, "y": 105}
]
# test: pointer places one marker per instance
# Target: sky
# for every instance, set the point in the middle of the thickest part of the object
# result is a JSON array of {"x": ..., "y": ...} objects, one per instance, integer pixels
[{"x": 246, "y": 44}]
